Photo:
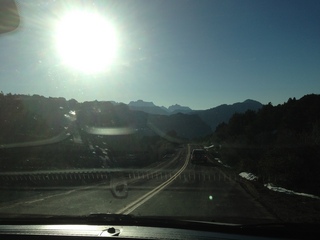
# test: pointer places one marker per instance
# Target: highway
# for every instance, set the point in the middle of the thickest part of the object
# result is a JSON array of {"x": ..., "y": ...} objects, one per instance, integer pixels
[{"x": 173, "y": 188}]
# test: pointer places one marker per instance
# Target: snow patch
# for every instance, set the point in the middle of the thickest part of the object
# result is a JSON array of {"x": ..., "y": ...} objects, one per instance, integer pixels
[
  {"x": 248, "y": 176},
  {"x": 283, "y": 190},
  {"x": 71, "y": 116},
  {"x": 211, "y": 146},
  {"x": 72, "y": 113},
  {"x": 219, "y": 161}
]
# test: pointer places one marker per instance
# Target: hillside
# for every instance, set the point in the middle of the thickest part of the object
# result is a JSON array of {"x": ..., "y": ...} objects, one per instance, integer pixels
[
  {"x": 29, "y": 118},
  {"x": 214, "y": 116},
  {"x": 150, "y": 107},
  {"x": 211, "y": 117},
  {"x": 280, "y": 144}
]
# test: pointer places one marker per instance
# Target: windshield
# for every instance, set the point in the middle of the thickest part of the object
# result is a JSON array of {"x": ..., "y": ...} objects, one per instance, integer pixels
[{"x": 102, "y": 104}]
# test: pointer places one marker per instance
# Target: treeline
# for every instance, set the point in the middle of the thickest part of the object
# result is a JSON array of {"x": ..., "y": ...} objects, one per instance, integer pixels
[
  {"x": 29, "y": 118},
  {"x": 13, "y": 118},
  {"x": 279, "y": 143},
  {"x": 25, "y": 118}
]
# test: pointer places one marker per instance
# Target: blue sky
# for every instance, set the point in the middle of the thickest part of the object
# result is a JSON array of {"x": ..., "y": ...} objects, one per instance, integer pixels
[{"x": 195, "y": 53}]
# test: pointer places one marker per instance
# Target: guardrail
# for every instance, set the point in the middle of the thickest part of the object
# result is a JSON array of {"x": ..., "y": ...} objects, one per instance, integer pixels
[
  {"x": 56, "y": 174},
  {"x": 53, "y": 176},
  {"x": 131, "y": 175},
  {"x": 113, "y": 179}
]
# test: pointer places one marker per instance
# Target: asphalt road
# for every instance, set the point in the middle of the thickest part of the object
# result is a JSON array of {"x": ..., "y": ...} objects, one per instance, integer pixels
[{"x": 178, "y": 188}]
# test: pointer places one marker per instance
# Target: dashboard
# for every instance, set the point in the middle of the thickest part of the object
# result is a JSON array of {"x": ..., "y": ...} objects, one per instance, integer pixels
[{"x": 158, "y": 229}]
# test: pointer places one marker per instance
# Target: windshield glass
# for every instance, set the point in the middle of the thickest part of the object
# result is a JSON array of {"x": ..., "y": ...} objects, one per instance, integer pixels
[{"x": 103, "y": 102}]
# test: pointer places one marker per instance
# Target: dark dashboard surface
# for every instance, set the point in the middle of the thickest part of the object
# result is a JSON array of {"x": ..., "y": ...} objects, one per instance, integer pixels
[{"x": 128, "y": 227}]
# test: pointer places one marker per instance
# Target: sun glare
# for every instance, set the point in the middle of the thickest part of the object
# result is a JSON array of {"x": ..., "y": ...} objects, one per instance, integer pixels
[{"x": 86, "y": 42}]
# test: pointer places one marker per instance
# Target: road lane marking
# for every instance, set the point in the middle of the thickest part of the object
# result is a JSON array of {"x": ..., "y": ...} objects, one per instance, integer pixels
[
  {"x": 34, "y": 201},
  {"x": 137, "y": 203},
  {"x": 156, "y": 171}
]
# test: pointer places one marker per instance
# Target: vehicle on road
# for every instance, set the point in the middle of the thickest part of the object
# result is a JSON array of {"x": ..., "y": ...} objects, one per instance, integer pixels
[{"x": 199, "y": 156}]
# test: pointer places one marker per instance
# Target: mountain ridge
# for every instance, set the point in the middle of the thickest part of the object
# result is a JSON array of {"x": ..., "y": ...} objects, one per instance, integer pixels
[
  {"x": 212, "y": 117},
  {"x": 150, "y": 107},
  {"x": 50, "y": 116}
]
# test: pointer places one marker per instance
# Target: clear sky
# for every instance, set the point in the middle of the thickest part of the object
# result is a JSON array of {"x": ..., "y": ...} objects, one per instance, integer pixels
[{"x": 195, "y": 53}]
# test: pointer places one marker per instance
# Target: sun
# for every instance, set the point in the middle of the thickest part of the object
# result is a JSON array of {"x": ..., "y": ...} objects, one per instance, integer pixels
[{"x": 86, "y": 41}]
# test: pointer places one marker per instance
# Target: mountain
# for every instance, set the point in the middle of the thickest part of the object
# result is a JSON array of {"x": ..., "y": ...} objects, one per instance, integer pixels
[
  {"x": 214, "y": 116},
  {"x": 31, "y": 118},
  {"x": 141, "y": 103},
  {"x": 147, "y": 107},
  {"x": 150, "y": 107},
  {"x": 170, "y": 120},
  {"x": 210, "y": 117},
  {"x": 50, "y": 116},
  {"x": 294, "y": 123},
  {"x": 180, "y": 125},
  {"x": 179, "y": 109}
]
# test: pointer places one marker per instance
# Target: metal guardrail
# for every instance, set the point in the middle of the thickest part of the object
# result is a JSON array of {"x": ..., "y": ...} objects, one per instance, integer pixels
[
  {"x": 56, "y": 175},
  {"x": 113, "y": 179},
  {"x": 102, "y": 174}
]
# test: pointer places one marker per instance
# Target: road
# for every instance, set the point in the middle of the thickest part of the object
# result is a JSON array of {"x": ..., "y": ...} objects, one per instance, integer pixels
[{"x": 178, "y": 188}]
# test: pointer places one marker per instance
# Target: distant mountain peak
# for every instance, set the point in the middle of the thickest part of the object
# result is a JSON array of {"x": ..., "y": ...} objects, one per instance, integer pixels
[
  {"x": 178, "y": 107},
  {"x": 251, "y": 101},
  {"x": 222, "y": 113},
  {"x": 147, "y": 107},
  {"x": 141, "y": 103},
  {"x": 150, "y": 107}
]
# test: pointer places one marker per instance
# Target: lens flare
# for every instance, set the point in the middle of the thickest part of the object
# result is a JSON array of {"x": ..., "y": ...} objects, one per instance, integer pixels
[{"x": 86, "y": 42}]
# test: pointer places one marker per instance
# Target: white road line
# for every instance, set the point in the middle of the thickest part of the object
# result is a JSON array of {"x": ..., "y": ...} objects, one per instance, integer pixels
[
  {"x": 135, "y": 204},
  {"x": 155, "y": 170}
]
